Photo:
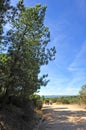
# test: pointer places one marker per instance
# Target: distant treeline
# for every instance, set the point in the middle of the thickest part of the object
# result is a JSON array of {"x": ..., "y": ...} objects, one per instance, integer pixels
[
  {"x": 63, "y": 99},
  {"x": 68, "y": 99}
]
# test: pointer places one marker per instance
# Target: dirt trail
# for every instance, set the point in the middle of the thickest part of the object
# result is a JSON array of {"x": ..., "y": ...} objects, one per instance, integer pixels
[{"x": 63, "y": 117}]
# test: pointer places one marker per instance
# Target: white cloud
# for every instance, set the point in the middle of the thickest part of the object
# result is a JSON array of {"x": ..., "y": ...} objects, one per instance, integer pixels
[
  {"x": 59, "y": 90},
  {"x": 71, "y": 91}
]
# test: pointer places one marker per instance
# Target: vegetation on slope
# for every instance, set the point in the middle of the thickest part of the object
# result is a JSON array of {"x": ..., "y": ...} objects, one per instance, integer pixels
[{"x": 23, "y": 50}]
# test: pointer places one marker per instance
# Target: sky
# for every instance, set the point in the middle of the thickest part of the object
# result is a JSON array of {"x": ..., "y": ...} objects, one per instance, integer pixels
[{"x": 66, "y": 20}]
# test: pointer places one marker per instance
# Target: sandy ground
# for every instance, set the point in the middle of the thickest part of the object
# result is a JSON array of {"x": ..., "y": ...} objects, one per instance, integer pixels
[{"x": 63, "y": 117}]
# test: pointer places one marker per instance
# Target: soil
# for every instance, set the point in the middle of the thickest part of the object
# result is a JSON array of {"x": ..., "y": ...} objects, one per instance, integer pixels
[{"x": 63, "y": 117}]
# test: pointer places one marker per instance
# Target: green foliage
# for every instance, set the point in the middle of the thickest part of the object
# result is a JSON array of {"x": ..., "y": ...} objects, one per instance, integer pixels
[
  {"x": 26, "y": 51},
  {"x": 37, "y": 101},
  {"x": 69, "y": 100},
  {"x": 39, "y": 104},
  {"x": 4, "y": 14},
  {"x": 43, "y": 99},
  {"x": 64, "y": 100},
  {"x": 83, "y": 95},
  {"x": 54, "y": 100}
]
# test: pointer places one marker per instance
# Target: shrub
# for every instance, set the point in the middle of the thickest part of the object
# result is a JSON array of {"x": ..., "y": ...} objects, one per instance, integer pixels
[
  {"x": 83, "y": 95},
  {"x": 37, "y": 101},
  {"x": 39, "y": 104},
  {"x": 64, "y": 100}
]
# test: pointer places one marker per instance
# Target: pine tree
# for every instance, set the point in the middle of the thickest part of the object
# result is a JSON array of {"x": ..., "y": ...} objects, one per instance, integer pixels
[{"x": 27, "y": 51}]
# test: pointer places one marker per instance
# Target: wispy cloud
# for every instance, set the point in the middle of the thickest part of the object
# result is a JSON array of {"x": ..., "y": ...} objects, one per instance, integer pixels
[
  {"x": 78, "y": 68},
  {"x": 68, "y": 85},
  {"x": 68, "y": 72},
  {"x": 79, "y": 60}
]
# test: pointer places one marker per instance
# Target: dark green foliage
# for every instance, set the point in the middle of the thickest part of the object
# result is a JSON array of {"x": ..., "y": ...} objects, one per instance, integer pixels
[
  {"x": 26, "y": 51},
  {"x": 43, "y": 99},
  {"x": 23, "y": 50},
  {"x": 54, "y": 100},
  {"x": 83, "y": 95},
  {"x": 37, "y": 101},
  {"x": 64, "y": 100},
  {"x": 4, "y": 16},
  {"x": 47, "y": 101},
  {"x": 39, "y": 104}
]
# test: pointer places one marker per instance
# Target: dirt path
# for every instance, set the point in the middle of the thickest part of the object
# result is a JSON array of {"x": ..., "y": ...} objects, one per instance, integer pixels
[{"x": 63, "y": 117}]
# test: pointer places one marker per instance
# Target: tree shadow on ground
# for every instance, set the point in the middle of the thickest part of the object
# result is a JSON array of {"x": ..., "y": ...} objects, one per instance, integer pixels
[{"x": 59, "y": 119}]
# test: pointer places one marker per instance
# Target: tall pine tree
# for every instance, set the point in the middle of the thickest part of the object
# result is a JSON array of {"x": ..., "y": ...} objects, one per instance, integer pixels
[{"x": 27, "y": 42}]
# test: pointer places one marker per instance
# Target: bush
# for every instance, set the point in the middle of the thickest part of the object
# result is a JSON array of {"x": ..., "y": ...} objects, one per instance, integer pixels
[
  {"x": 39, "y": 104},
  {"x": 64, "y": 100},
  {"x": 54, "y": 100},
  {"x": 83, "y": 95},
  {"x": 37, "y": 101}
]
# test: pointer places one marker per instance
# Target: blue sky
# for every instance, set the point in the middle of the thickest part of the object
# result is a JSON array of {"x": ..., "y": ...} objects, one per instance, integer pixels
[{"x": 66, "y": 20}]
